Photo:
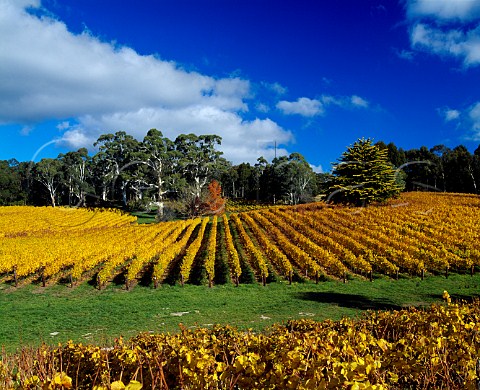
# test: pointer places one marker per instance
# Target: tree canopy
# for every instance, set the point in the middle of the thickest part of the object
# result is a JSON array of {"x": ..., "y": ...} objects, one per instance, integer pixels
[
  {"x": 160, "y": 173},
  {"x": 364, "y": 175}
]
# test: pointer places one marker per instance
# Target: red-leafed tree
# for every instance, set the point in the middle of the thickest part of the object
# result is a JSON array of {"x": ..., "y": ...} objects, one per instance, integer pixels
[{"x": 214, "y": 203}]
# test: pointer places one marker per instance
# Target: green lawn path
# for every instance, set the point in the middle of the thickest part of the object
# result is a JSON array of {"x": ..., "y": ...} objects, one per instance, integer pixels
[{"x": 31, "y": 314}]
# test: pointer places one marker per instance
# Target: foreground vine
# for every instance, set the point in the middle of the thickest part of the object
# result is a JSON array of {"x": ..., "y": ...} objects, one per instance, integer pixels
[{"x": 433, "y": 348}]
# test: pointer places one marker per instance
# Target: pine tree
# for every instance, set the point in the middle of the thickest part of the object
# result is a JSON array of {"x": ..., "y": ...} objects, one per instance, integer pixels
[{"x": 363, "y": 175}]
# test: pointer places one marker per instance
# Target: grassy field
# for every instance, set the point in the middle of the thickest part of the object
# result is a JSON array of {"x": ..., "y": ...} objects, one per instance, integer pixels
[
  {"x": 32, "y": 314},
  {"x": 144, "y": 217}
]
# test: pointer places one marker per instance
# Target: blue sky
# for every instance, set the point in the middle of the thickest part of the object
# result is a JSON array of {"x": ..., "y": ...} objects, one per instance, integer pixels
[{"x": 312, "y": 76}]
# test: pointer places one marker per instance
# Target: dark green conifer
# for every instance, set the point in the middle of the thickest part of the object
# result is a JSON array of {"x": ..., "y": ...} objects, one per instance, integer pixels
[{"x": 363, "y": 175}]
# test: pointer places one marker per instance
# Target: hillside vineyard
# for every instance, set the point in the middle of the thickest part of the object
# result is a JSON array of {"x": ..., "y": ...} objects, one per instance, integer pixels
[{"x": 416, "y": 234}]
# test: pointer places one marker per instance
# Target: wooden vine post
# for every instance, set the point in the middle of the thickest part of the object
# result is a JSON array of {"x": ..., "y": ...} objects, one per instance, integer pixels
[
  {"x": 42, "y": 275},
  {"x": 15, "y": 277}
]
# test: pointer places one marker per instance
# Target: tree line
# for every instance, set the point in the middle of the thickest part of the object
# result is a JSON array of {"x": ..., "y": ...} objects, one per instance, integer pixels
[
  {"x": 170, "y": 175},
  {"x": 438, "y": 168},
  {"x": 173, "y": 175}
]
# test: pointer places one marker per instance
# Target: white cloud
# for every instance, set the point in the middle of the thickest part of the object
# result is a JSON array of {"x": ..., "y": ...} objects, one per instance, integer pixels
[
  {"x": 317, "y": 168},
  {"x": 76, "y": 138},
  {"x": 345, "y": 102},
  {"x": 313, "y": 107},
  {"x": 63, "y": 125},
  {"x": 357, "y": 101},
  {"x": 276, "y": 87},
  {"x": 449, "y": 114},
  {"x": 261, "y": 107},
  {"x": 446, "y": 28},
  {"x": 303, "y": 106},
  {"x": 47, "y": 72},
  {"x": 474, "y": 114},
  {"x": 26, "y": 130},
  {"x": 444, "y": 9},
  {"x": 331, "y": 100},
  {"x": 241, "y": 140},
  {"x": 453, "y": 42},
  {"x": 467, "y": 118}
]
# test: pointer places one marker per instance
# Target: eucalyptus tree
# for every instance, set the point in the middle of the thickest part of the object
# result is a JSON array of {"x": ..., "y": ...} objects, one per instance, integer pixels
[
  {"x": 196, "y": 161},
  {"x": 441, "y": 153},
  {"x": 158, "y": 154},
  {"x": 102, "y": 174},
  {"x": 300, "y": 178},
  {"x": 290, "y": 178},
  {"x": 197, "y": 158},
  {"x": 77, "y": 170},
  {"x": 48, "y": 172},
  {"x": 476, "y": 165},
  {"x": 245, "y": 178},
  {"x": 11, "y": 191},
  {"x": 460, "y": 170},
  {"x": 229, "y": 182},
  {"x": 115, "y": 159},
  {"x": 421, "y": 169},
  {"x": 258, "y": 170}
]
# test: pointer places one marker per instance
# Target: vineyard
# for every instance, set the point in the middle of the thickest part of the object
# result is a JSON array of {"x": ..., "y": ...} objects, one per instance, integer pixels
[
  {"x": 417, "y": 234},
  {"x": 414, "y": 349}
]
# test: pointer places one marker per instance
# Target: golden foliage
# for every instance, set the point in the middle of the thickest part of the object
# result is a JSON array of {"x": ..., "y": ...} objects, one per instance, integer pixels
[{"x": 433, "y": 348}]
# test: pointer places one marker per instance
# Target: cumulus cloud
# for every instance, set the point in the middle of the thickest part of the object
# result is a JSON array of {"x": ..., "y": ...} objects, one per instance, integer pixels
[
  {"x": 241, "y": 140},
  {"x": 453, "y": 42},
  {"x": 303, "y": 106},
  {"x": 446, "y": 28},
  {"x": 444, "y": 9},
  {"x": 312, "y": 107},
  {"x": 47, "y": 72}
]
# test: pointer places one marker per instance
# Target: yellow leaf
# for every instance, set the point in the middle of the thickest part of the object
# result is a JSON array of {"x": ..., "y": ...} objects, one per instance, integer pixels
[
  {"x": 134, "y": 385},
  {"x": 117, "y": 385}
]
